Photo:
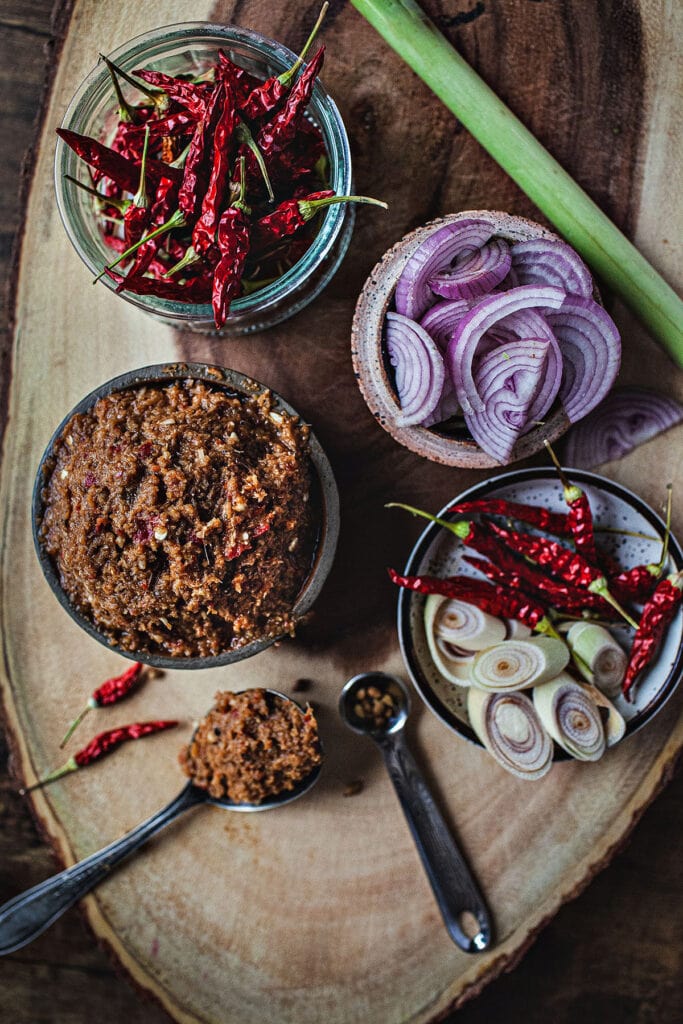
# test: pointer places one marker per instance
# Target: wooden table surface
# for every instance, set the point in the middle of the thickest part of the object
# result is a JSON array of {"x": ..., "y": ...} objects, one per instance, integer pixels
[{"x": 613, "y": 955}]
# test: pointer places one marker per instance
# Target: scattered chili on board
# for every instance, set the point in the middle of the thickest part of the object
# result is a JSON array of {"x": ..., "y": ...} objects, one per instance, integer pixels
[
  {"x": 101, "y": 745},
  {"x": 109, "y": 692},
  {"x": 656, "y": 616}
]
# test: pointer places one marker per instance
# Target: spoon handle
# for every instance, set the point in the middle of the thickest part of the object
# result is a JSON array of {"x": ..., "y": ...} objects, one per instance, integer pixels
[
  {"x": 25, "y": 916},
  {"x": 454, "y": 887}
]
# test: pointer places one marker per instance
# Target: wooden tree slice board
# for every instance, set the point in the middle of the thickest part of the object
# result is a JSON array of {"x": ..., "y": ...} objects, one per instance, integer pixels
[{"x": 321, "y": 911}]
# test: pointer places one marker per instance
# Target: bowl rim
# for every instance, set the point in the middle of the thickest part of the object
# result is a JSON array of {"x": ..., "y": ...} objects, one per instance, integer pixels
[
  {"x": 337, "y": 217},
  {"x": 367, "y": 349},
  {"x": 480, "y": 490},
  {"x": 227, "y": 380}
]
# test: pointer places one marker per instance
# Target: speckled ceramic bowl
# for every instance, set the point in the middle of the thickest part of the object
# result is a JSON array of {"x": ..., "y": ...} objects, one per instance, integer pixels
[
  {"x": 326, "y": 496},
  {"x": 439, "y": 553},
  {"x": 452, "y": 447}
]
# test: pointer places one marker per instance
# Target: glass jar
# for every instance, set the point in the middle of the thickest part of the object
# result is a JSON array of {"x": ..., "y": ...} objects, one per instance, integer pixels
[{"x": 193, "y": 47}]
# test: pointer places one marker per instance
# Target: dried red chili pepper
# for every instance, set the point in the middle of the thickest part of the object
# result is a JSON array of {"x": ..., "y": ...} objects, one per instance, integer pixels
[
  {"x": 241, "y": 81},
  {"x": 109, "y": 692},
  {"x": 204, "y": 231},
  {"x": 562, "y": 562},
  {"x": 100, "y": 746},
  {"x": 552, "y": 522},
  {"x": 580, "y": 514},
  {"x": 124, "y": 172},
  {"x": 657, "y": 614},
  {"x": 232, "y": 239},
  {"x": 165, "y": 199},
  {"x": 194, "y": 96},
  {"x": 265, "y": 97},
  {"x": 532, "y": 581},
  {"x": 197, "y": 164},
  {"x": 637, "y": 583},
  {"x": 197, "y": 291},
  {"x": 492, "y": 599},
  {"x": 293, "y": 214},
  {"x": 278, "y": 133}
]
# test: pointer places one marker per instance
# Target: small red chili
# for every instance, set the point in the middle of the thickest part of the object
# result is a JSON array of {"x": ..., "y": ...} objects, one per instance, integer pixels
[
  {"x": 100, "y": 746},
  {"x": 109, "y": 692},
  {"x": 657, "y": 614},
  {"x": 580, "y": 516}
]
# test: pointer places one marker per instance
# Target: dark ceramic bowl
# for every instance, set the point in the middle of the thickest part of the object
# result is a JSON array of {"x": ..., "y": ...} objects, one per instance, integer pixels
[
  {"x": 438, "y": 553},
  {"x": 323, "y": 480}
]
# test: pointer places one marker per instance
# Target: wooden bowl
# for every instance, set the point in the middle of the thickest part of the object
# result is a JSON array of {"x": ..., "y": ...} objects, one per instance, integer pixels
[{"x": 455, "y": 447}]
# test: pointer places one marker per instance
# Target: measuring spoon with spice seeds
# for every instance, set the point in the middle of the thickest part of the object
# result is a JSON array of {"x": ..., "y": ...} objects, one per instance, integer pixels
[
  {"x": 27, "y": 915},
  {"x": 377, "y": 705}
]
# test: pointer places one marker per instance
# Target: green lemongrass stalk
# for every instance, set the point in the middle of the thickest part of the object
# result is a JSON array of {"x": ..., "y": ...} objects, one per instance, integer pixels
[{"x": 415, "y": 38}]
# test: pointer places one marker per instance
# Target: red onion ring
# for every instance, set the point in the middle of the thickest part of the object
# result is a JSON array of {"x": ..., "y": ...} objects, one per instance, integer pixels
[
  {"x": 591, "y": 353},
  {"x": 475, "y": 272},
  {"x": 626, "y": 418},
  {"x": 441, "y": 320},
  {"x": 418, "y": 366},
  {"x": 413, "y": 294},
  {"x": 508, "y": 381},
  {"x": 550, "y": 261},
  {"x": 469, "y": 332}
]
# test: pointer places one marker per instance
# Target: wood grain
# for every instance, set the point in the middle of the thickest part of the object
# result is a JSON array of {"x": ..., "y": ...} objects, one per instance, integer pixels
[{"x": 313, "y": 346}]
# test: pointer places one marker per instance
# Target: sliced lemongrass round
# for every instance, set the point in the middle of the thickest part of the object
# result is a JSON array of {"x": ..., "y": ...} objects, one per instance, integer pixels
[
  {"x": 613, "y": 721},
  {"x": 465, "y": 625},
  {"x": 516, "y": 630},
  {"x": 452, "y": 662},
  {"x": 571, "y": 717},
  {"x": 519, "y": 664},
  {"x": 508, "y": 726},
  {"x": 599, "y": 657}
]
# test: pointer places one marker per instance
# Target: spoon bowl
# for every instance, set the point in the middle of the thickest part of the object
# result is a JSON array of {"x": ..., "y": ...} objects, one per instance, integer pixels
[
  {"x": 365, "y": 726},
  {"x": 27, "y": 915}
]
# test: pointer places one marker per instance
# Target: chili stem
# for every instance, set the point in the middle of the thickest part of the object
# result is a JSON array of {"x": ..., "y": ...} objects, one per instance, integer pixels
[
  {"x": 125, "y": 110},
  {"x": 571, "y": 491},
  {"x": 119, "y": 204},
  {"x": 665, "y": 543},
  {"x": 416, "y": 39},
  {"x": 70, "y": 766},
  {"x": 156, "y": 96},
  {"x": 176, "y": 221},
  {"x": 460, "y": 529},
  {"x": 309, "y": 208},
  {"x": 188, "y": 260},
  {"x": 141, "y": 199},
  {"x": 287, "y": 77},
  {"x": 599, "y": 586},
  {"x": 243, "y": 135},
  {"x": 76, "y": 722}
]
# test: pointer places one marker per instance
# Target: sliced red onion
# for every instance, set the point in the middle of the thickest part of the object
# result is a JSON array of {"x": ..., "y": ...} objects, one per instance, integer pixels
[
  {"x": 507, "y": 380},
  {"x": 441, "y": 320},
  {"x": 591, "y": 352},
  {"x": 550, "y": 261},
  {"x": 438, "y": 251},
  {"x": 626, "y": 418},
  {"x": 469, "y": 332},
  {"x": 528, "y": 323},
  {"x": 447, "y": 406},
  {"x": 475, "y": 272},
  {"x": 418, "y": 366}
]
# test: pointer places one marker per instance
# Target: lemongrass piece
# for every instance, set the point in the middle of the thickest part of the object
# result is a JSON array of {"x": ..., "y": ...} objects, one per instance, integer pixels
[
  {"x": 417, "y": 40},
  {"x": 509, "y": 728},
  {"x": 465, "y": 625},
  {"x": 516, "y": 630},
  {"x": 518, "y": 664},
  {"x": 571, "y": 717},
  {"x": 600, "y": 659},
  {"x": 452, "y": 665},
  {"x": 613, "y": 721}
]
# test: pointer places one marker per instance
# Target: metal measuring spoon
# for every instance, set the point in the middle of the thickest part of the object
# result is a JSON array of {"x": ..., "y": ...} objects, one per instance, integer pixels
[
  {"x": 25, "y": 916},
  {"x": 456, "y": 892}
]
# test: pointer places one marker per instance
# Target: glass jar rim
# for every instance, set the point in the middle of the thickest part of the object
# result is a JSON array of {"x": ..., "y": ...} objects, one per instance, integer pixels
[{"x": 336, "y": 140}]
